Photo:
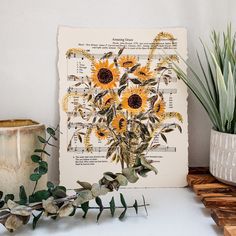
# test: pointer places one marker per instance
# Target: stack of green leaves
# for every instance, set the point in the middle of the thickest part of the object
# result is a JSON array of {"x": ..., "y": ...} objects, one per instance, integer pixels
[{"x": 215, "y": 88}]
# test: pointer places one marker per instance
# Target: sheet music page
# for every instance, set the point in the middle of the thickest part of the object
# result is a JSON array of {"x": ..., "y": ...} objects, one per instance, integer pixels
[{"x": 83, "y": 149}]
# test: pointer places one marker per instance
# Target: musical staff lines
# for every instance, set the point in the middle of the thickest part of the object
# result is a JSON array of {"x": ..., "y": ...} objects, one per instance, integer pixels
[
  {"x": 81, "y": 91},
  {"x": 83, "y": 79},
  {"x": 104, "y": 149},
  {"x": 139, "y": 56}
]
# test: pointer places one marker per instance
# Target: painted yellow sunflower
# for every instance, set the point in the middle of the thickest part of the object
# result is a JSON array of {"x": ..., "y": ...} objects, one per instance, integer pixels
[
  {"x": 101, "y": 133},
  {"x": 143, "y": 73},
  {"x": 159, "y": 108},
  {"x": 134, "y": 100},
  {"x": 127, "y": 61},
  {"x": 119, "y": 123},
  {"x": 105, "y": 75},
  {"x": 108, "y": 100}
]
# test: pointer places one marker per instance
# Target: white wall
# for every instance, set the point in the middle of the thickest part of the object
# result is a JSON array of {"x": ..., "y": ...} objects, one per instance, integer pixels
[{"x": 28, "y": 51}]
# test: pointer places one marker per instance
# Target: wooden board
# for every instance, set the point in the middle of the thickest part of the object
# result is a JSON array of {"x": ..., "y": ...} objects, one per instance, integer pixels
[
  {"x": 219, "y": 197},
  {"x": 230, "y": 231},
  {"x": 224, "y": 216}
]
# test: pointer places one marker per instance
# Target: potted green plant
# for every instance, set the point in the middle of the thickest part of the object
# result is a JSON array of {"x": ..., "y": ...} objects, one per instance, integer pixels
[{"x": 215, "y": 88}]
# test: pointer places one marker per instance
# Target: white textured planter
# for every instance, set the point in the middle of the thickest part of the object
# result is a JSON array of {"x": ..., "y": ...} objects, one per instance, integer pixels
[
  {"x": 18, "y": 139},
  {"x": 223, "y": 157}
]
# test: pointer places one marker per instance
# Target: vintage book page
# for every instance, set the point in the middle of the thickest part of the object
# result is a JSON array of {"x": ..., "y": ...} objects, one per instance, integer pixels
[{"x": 87, "y": 57}]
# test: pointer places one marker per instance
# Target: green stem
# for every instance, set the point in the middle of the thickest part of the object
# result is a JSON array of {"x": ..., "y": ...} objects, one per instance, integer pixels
[{"x": 41, "y": 156}]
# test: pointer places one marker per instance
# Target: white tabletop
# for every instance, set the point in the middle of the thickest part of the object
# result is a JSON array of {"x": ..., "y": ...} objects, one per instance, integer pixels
[{"x": 173, "y": 211}]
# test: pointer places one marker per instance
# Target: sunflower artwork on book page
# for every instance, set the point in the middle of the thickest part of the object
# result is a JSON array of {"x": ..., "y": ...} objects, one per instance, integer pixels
[{"x": 121, "y": 104}]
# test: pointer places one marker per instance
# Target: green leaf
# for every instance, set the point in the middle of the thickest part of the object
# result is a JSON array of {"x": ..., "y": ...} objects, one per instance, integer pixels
[
  {"x": 123, "y": 79},
  {"x": 222, "y": 92},
  {"x": 112, "y": 149},
  {"x": 144, "y": 172},
  {"x": 100, "y": 95},
  {"x": 230, "y": 101},
  {"x": 136, "y": 206},
  {"x": 42, "y": 151},
  {"x": 122, "y": 200},
  {"x": 104, "y": 111},
  {"x": 51, "y": 131},
  {"x": 35, "y": 177},
  {"x": 134, "y": 68},
  {"x": 145, "y": 207},
  {"x": 42, "y": 140},
  {"x": 58, "y": 193},
  {"x": 130, "y": 174},
  {"x": 147, "y": 165},
  {"x": 73, "y": 212},
  {"x": 43, "y": 164},
  {"x": 85, "y": 208},
  {"x": 50, "y": 185},
  {"x": 112, "y": 206},
  {"x": 99, "y": 203},
  {"x": 42, "y": 170},
  {"x": 35, "y": 158},
  {"x": 121, "y": 89},
  {"x": 144, "y": 129},
  {"x": 122, "y": 215},
  {"x": 142, "y": 148},
  {"x": 8, "y": 196},
  {"x": 36, "y": 218},
  {"x": 2, "y": 203},
  {"x": 163, "y": 137},
  {"x": 39, "y": 196},
  {"x": 85, "y": 185},
  {"x": 136, "y": 81},
  {"x": 122, "y": 180},
  {"x": 22, "y": 195},
  {"x": 61, "y": 187},
  {"x": 110, "y": 116},
  {"x": 121, "y": 51}
]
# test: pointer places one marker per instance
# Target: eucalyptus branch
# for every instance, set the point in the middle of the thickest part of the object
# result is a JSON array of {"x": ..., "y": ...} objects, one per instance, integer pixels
[
  {"x": 45, "y": 143},
  {"x": 54, "y": 201}
]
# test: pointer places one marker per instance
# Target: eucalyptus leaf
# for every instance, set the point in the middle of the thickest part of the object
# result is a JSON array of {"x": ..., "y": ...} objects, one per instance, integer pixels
[
  {"x": 122, "y": 200},
  {"x": 35, "y": 158},
  {"x": 123, "y": 181},
  {"x": 147, "y": 165},
  {"x": 36, "y": 219},
  {"x": 35, "y": 177},
  {"x": 130, "y": 174},
  {"x": 85, "y": 185},
  {"x": 99, "y": 202},
  {"x": 66, "y": 209},
  {"x": 2, "y": 203},
  {"x": 42, "y": 140},
  {"x": 85, "y": 208},
  {"x": 136, "y": 206},
  {"x": 112, "y": 206},
  {"x": 82, "y": 197},
  {"x": 42, "y": 151},
  {"x": 8, "y": 196},
  {"x": 51, "y": 131},
  {"x": 22, "y": 195}
]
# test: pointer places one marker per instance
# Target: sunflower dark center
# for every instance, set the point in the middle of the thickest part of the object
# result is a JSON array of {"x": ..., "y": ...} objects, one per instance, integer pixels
[
  {"x": 121, "y": 123},
  {"x": 105, "y": 76},
  {"x": 127, "y": 63},
  {"x": 101, "y": 134},
  {"x": 135, "y": 101},
  {"x": 141, "y": 73},
  {"x": 158, "y": 108},
  {"x": 109, "y": 100}
]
